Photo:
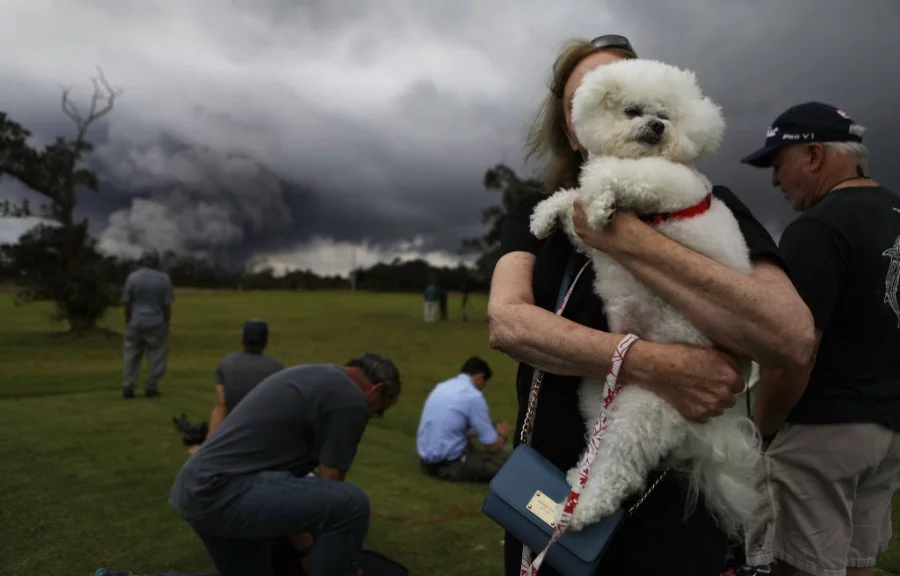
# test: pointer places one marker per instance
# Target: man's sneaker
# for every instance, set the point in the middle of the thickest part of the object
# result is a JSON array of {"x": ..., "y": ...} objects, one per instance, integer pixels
[
  {"x": 127, "y": 392},
  {"x": 152, "y": 393}
]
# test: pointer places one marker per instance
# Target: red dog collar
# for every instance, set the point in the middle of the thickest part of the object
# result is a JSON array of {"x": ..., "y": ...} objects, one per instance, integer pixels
[{"x": 689, "y": 212}]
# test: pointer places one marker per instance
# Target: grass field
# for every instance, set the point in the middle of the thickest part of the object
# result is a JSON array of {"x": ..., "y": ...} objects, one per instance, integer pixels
[{"x": 86, "y": 475}]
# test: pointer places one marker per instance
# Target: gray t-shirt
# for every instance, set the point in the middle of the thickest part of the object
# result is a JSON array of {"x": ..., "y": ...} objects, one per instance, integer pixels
[
  {"x": 240, "y": 372},
  {"x": 149, "y": 291},
  {"x": 293, "y": 421}
]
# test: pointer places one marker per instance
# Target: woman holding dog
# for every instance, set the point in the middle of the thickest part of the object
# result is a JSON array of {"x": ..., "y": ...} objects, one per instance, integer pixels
[{"x": 760, "y": 317}]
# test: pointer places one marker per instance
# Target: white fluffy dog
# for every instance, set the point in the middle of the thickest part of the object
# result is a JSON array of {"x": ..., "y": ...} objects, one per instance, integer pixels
[{"x": 643, "y": 123}]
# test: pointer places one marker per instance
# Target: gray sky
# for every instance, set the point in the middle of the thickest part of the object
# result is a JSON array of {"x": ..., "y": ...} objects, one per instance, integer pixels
[{"x": 255, "y": 127}]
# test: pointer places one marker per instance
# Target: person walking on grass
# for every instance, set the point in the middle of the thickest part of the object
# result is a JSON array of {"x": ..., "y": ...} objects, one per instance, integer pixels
[
  {"x": 274, "y": 469},
  {"x": 148, "y": 296},
  {"x": 240, "y": 372},
  {"x": 454, "y": 412}
]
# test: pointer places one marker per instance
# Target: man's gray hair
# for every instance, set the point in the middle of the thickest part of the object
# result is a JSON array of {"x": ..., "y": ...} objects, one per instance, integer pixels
[{"x": 856, "y": 151}]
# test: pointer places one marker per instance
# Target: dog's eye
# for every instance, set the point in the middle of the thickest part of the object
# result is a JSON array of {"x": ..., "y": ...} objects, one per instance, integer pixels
[
  {"x": 633, "y": 111},
  {"x": 662, "y": 116}
]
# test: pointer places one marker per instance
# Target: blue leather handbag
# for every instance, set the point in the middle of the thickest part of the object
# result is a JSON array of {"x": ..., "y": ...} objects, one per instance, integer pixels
[{"x": 523, "y": 498}]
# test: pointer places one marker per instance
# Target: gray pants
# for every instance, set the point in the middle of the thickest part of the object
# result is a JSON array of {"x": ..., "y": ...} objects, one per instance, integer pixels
[
  {"x": 826, "y": 497},
  {"x": 156, "y": 342}
]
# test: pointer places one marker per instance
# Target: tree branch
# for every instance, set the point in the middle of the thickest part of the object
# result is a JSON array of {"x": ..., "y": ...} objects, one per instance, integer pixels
[{"x": 103, "y": 101}]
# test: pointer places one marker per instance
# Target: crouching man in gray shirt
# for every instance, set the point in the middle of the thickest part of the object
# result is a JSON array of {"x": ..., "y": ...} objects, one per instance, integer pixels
[{"x": 252, "y": 481}]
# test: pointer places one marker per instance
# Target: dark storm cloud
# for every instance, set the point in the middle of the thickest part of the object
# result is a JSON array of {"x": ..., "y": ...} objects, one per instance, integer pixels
[{"x": 255, "y": 126}]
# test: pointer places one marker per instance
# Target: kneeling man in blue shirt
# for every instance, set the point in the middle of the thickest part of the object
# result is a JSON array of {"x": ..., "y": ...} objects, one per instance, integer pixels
[{"x": 454, "y": 412}]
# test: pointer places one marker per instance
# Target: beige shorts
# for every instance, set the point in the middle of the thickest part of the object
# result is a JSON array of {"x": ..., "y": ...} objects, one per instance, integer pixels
[{"x": 825, "y": 497}]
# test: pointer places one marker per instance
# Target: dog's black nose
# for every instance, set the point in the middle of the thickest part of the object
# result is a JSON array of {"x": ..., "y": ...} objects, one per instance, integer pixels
[{"x": 657, "y": 126}]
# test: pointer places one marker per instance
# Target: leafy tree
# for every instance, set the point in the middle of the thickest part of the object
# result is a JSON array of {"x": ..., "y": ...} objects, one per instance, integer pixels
[
  {"x": 511, "y": 187},
  {"x": 59, "y": 260}
]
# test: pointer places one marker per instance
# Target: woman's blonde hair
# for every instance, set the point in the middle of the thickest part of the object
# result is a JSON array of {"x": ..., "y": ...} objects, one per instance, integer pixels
[{"x": 547, "y": 141}]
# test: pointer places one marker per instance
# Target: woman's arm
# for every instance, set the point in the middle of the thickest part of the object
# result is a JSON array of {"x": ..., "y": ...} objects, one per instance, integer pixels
[
  {"x": 760, "y": 317},
  {"x": 699, "y": 382}
]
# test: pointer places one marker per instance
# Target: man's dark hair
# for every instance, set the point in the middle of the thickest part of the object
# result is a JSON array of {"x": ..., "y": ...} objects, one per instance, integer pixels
[
  {"x": 378, "y": 368},
  {"x": 475, "y": 365}
]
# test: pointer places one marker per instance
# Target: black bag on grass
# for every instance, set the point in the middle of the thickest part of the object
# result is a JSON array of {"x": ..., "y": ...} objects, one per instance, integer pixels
[
  {"x": 192, "y": 433},
  {"x": 375, "y": 564}
]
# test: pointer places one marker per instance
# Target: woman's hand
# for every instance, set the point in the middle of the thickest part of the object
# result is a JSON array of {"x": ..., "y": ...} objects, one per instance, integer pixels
[
  {"x": 606, "y": 239},
  {"x": 700, "y": 383}
]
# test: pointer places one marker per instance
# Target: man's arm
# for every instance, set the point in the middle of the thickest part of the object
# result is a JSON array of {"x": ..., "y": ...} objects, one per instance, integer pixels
[
  {"x": 819, "y": 259},
  {"x": 126, "y": 298},
  {"x": 328, "y": 473},
  {"x": 167, "y": 305},
  {"x": 480, "y": 421},
  {"x": 779, "y": 391},
  {"x": 219, "y": 411},
  {"x": 342, "y": 429},
  {"x": 761, "y": 317}
]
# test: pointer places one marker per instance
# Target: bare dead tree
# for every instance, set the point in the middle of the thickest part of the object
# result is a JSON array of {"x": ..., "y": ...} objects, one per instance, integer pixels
[{"x": 61, "y": 262}]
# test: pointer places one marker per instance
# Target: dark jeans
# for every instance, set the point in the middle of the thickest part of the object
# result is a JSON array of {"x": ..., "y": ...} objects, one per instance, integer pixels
[{"x": 253, "y": 512}]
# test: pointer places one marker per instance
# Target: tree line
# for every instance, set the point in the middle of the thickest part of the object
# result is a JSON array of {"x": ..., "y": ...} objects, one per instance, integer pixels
[{"x": 58, "y": 261}]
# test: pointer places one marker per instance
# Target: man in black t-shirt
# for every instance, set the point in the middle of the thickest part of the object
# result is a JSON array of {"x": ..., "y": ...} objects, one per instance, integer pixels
[{"x": 831, "y": 430}]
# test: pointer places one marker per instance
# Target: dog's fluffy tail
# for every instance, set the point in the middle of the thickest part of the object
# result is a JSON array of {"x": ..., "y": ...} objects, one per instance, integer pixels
[{"x": 726, "y": 455}]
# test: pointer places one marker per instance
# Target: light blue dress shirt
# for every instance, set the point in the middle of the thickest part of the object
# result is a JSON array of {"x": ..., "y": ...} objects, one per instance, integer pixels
[{"x": 453, "y": 407}]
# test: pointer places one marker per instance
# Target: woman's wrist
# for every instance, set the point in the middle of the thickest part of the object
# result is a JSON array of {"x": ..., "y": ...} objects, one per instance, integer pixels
[{"x": 639, "y": 365}]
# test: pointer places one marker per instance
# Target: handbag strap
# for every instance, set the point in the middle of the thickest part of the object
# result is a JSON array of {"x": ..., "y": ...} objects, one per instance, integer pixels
[
  {"x": 538, "y": 376},
  {"x": 611, "y": 389}
]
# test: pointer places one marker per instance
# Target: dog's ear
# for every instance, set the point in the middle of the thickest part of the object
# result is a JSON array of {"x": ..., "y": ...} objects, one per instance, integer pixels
[{"x": 703, "y": 127}]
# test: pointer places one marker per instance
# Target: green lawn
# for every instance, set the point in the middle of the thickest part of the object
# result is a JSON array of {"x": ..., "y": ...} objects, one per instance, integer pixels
[{"x": 86, "y": 475}]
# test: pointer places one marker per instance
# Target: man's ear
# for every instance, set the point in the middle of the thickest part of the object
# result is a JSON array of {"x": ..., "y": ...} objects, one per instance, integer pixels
[
  {"x": 376, "y": 389},
  {"x": 816, "y": 152}
]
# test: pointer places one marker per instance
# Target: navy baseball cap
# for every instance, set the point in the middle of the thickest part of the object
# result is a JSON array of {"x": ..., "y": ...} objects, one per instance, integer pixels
[
  {"x": 255, "y": 332},
  {"x": 808, "y": 122}
]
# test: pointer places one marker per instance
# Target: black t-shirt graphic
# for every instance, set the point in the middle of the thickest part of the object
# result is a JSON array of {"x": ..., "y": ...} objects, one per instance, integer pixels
[
  {"x": 844, "y": 260},
  {"x": 679, "y": 546}
]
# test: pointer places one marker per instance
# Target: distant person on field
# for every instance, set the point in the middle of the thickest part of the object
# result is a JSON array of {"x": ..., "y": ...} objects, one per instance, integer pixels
[
  {"x": 465, "y": 301},
  {"x": 431, "y": 299},
  {"x": 454, "y": 411},
  {"x": 148, "y": 298},
  {"x": 240, "y": 372},
  {"x": 442, "y": 302},
  {"x": 274, "y": 469}
]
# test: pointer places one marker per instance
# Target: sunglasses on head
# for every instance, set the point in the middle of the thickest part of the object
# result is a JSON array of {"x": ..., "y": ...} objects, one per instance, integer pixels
[
  {"x": 599, "y": 43},
  {"x": 612, "y": 41}
]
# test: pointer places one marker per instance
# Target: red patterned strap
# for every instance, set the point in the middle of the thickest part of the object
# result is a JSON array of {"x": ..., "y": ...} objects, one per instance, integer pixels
[{"x": 612, "y": 387}]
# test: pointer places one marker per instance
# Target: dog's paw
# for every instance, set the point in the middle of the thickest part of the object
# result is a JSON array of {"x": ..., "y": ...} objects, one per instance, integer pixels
[
  {"x": 579, "y": 519},
  {"x": 543, "y": 220},
  {"x": 601, "y": 211},
  {"x": 572, "y": 476}
]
